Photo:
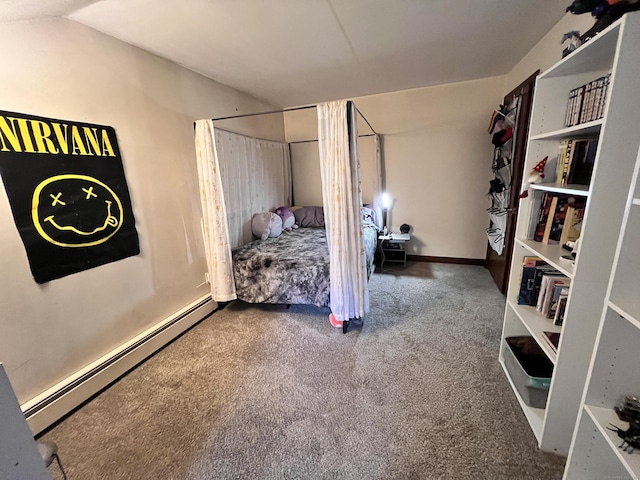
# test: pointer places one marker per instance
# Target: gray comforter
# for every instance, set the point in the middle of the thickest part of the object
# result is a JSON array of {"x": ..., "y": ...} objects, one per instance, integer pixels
[{"x": 290, "y": 269}]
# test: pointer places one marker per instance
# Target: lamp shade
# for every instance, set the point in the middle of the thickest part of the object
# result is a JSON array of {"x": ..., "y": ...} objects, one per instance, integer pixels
[{"x": 385, "y": 200}]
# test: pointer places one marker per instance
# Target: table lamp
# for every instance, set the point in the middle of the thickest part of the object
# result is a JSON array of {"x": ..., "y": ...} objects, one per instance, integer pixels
[{"x": 386, "y": 203}]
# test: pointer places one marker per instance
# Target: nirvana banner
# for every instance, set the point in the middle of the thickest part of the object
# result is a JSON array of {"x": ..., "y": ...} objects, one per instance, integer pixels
[{"x": 67, "y": 192}]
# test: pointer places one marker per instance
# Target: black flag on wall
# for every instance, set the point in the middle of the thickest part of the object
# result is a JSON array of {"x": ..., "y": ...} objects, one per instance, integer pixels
[{"x": 68, "y": 194}]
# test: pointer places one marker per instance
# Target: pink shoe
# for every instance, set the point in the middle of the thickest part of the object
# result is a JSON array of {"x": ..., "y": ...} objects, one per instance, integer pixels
[{"x": 334, "y": 322}]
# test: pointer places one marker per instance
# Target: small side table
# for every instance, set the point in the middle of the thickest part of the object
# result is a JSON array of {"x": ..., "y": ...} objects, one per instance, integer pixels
[{"x": 392, "y": 248}]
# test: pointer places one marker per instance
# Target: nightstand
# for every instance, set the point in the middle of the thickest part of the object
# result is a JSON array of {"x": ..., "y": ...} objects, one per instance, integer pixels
[{"x": 392, "y": 248}]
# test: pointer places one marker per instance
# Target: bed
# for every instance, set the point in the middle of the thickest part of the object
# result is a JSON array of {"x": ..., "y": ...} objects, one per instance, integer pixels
[{"x": 292, "y": 268}]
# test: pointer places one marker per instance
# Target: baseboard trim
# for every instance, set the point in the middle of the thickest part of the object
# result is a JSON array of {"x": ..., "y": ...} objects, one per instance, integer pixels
[
  {"x": 460, "y": 261},
  {"x": 51, "y": 405}
]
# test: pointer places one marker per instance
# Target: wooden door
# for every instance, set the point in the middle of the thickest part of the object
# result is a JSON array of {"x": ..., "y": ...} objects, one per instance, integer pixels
[{"x": 499, "y": 265}]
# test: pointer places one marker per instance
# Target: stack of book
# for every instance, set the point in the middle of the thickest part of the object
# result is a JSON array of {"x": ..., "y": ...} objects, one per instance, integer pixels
[
  {"x": 544, "y": 288},
  {"x": 587, "y": 102},
  {"x": 556, "y": 218},
  {"x": 576, "y": 159}
]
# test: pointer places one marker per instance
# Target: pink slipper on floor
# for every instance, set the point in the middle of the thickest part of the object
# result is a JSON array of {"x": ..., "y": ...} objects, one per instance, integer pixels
[{"x": 334, "y": 322}]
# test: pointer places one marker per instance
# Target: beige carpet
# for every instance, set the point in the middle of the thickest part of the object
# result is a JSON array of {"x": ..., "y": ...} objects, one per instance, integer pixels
[{"x": 261, "y": 392}]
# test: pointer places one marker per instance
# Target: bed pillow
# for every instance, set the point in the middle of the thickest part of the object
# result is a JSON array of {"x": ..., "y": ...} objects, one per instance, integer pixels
[
  {"x": 309, "y": 216},
  {"x": 368, "y": 215},
  {"x": 265, "y": 225}
]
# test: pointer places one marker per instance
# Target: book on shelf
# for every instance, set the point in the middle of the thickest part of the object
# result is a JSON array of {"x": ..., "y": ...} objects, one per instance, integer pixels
[
  {"x": 540, "y": 273},
  {"x": 550, "y": 215},
  {"x": 587, "y": 102},
  {"x": 589, "y": 90},
  {"x": 541, "y": 218},
  {"x": 536, "y": 201},
  {"x": 558, "y": 316},
  {"x": 538, "y": 285},
  {"x": 548, "y": 291},
  {"x": 582, "y": 161},
  {"x": 577, "y": 108},
  {"x": 547, "y": 223},
  {"x": 562, "y": 166},
  {"x": 576, "y": 160},
  {"x": 527, "y": 280},
  {"x": 558, "y": 219},
  {"x": 602, "y": 103},
  {"x": 572, "y": 224},
  {"x": 553, "y": 297},
  {"x": 570, "y": 103},
  {"x": 553, "y": 339}
]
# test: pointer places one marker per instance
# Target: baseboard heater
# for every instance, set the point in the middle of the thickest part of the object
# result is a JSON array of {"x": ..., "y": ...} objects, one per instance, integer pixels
[
  {"x": 54, "y": 403},
  {"x": 457, "y": 260}
]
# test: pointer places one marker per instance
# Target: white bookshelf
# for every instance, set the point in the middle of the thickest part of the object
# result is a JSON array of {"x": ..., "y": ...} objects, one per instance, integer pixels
[
  {"x": 613, "y": 371},
  {"x": 612, "y": 51}
]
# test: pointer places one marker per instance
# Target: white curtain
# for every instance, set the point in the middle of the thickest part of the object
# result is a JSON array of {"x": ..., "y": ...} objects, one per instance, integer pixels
[
  {"x": 377, "y": 181},
  {"x": 256, "y": 178},
  {"x": 239, "y": 176},
  {"x": 342, "y": 197},
  {"x": 214, "y": 222}
]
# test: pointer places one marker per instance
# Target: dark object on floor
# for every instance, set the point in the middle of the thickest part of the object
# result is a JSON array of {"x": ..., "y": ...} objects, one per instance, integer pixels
[
  {"x": 354, "y": 322},
  {"x": 49, "y": 453}
]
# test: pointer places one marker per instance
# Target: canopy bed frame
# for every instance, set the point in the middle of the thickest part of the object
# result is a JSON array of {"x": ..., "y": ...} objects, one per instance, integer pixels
[{"x": 324, "y": 267}]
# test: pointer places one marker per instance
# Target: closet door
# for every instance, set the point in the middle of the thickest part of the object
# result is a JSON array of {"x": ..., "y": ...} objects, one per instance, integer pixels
[{"x": 500, "y": 264}]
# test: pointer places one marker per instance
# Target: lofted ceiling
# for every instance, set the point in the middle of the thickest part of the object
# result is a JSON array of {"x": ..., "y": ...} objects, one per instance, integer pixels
[{"x": 298, "y": 52}]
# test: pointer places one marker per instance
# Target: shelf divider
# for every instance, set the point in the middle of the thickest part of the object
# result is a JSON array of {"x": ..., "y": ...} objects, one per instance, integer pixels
[
  {"x": 536, "y": 323},
  {"x": 623, "y": 313},
  {"x": 579, "y": 190},
  {"x": 586, "y": 129},
  {"x": 552, "y": 254}
]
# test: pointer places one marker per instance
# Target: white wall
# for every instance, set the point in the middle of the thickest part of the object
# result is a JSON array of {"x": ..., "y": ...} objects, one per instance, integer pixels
[
  {"x": 437, "y": 158},
  {"x": 61, "y": 69},
  {"x": 548, "y": 51},
  {"x": 305, "y": 170},
  {"x": 305, "y": 174},
  {"x": 436, "y": 150}
]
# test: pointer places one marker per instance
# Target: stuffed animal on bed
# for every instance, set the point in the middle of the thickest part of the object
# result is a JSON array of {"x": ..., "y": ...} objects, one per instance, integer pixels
[
  {"x": 288, "y": 219},
  {"x": 265, "y": 225}
]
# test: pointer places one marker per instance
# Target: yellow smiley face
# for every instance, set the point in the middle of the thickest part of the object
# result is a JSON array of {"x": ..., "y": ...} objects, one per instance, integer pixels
[{"x": 75, "y": 211}]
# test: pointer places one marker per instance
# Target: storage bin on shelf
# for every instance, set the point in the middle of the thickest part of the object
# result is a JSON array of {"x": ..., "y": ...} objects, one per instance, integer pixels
[{"x": 529, "y": 369}]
